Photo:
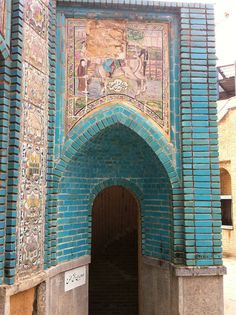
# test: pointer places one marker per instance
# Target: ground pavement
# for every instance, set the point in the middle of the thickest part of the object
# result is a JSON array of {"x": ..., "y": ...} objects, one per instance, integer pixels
[{"x": 230, "y": 286}]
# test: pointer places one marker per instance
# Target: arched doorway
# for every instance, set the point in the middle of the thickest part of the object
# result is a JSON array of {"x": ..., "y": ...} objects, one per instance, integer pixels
[{"x": 113, "y": 273}]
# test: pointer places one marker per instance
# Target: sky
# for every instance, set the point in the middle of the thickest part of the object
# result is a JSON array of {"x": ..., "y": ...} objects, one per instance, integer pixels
[
  {"x": 225, "y": 19},
  {"x": 225, "y": 13}
]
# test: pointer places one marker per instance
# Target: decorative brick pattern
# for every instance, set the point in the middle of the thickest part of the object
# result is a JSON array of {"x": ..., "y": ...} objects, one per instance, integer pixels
[
  {"x": 50, "y": 218},
  {"x": 14, "y": 137},
  {"x": 199, "y": 137},
  {"x": 5, "y": 81}
]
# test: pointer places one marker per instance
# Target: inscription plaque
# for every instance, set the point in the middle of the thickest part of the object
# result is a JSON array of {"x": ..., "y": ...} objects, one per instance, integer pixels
[{"x": 75, "y": 278}]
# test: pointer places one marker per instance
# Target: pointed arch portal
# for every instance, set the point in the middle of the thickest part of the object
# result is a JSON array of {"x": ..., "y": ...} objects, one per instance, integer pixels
[
  {"x": 117, "y": 143},
  {"x": 115, "y": 146}
]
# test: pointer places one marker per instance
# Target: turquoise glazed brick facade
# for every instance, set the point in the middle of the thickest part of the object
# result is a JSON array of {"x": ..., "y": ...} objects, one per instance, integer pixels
[
  {"x": 117, "y": 167},
  {"x": 4, "y": 126},
  {"x": 10, "y": 78},
  {"x": 14, "y": 138},
  {"x": 116, "y": 155},
  {"x": 51, "y": 125},
  {"x": 199, "y": 137},
  {"x": 192, "y": 156},
  {"x": 174, "y": 177}
]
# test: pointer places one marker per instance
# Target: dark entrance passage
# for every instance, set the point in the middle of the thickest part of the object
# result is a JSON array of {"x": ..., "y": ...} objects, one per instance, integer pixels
[{"x": 113, "y": 273}]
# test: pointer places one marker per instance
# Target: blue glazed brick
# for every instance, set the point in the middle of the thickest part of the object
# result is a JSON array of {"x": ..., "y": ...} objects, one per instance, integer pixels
[{"x": 195, "y": 114}]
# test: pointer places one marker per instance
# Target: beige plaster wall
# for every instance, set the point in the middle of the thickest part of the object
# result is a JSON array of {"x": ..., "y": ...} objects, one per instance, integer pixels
[
  {"x": 227, "y": 157},
  {"x": 155, "y": 288},
  {"x": 171, "y": 290},
  {"x": 165, "y": 289},
  {"x": 201, "y": 295},
  {"x": 59, "y": 302},
  {"x": 22, "y": 303}
]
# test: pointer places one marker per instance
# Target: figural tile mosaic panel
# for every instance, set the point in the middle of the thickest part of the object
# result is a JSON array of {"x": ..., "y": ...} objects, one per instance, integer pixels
[
  {"x": 111, "y": 60},
  {"x": 30, "y": 234},
  {"x": 35, "y": 49},
  {"x": 32, "y": 189},
  {"x": 34, "y": 86},
  {"x": 3, "y": 17},
  {"x": 36, "y": 15},
  {"x": 34, "y": 120}
]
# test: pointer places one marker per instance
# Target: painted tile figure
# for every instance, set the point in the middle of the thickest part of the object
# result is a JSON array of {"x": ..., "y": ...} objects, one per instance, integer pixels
[
  {"x": 81, "y": 74},
  {"x": 110, "y": 58}
]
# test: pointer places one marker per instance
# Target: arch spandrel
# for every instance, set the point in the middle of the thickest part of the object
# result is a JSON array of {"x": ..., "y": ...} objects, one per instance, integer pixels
[{"x": 114, "y": 100}]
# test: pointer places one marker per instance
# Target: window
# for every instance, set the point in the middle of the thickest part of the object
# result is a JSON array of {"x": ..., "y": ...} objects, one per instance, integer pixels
[{"x": 226, "y": 198}]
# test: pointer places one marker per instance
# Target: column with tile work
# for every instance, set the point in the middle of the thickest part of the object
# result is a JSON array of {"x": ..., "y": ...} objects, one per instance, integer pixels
[
  {"x": 199, "y": 137},
  {"x": 33, "y": 139}
]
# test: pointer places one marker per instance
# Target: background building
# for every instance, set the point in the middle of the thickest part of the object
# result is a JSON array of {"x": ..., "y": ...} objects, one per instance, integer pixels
[{"x": 227, "y": 155}]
